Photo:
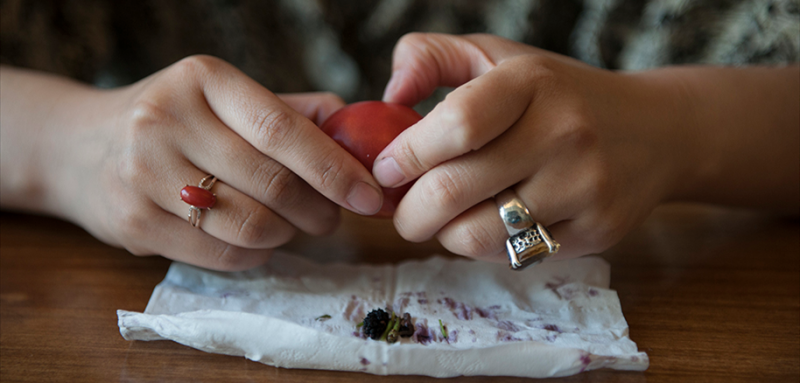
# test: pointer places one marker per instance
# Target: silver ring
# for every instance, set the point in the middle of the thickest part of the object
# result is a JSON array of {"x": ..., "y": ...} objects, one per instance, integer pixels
[{"x": 529, "y": 242}]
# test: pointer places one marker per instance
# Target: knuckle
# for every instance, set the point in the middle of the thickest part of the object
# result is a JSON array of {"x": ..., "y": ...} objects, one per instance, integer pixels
[
  {"x": 406, "y": 156},
  {"x": 598, "y": 181},
  {"x": 134, "y": 166},
  {"x": 133, "y": 225},
  {"x": 603, "y": 232},
  {"x": 326, "y": 220},
  {"x": 459, "y": 123},
  {"x": 471, "y": 241},
  {"x": 253, "y": 230},
  {"x": 146, "y": 120},
  {"x": 198, "y": 65},
  {"x": 444, "y": 190},
  {"x": 134, "y": 169},
  {"x": 147, "y": 116},
  {"x": 578, "y": 134},
  {"x": 542, "y": 69},
  {"x": 280, "y": 189},
  {"x": 332, "y": 169},
  {"x": 272, "y": 128},
  {"x": 229, "y": 258},
  {"x": 540, "y": 73}
]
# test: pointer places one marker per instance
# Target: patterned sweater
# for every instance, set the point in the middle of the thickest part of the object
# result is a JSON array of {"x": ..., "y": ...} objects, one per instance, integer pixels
[{"x": 346, "y": 46}]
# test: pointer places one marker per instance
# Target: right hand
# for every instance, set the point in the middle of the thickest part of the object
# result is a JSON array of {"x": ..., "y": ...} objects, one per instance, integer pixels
[{"x": 121, "y": 169}]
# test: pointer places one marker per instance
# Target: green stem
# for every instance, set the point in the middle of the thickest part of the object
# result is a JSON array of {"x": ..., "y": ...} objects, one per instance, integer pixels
[
  {"x": 392, "y": 336},
  {"x": 388, "y": 327}
]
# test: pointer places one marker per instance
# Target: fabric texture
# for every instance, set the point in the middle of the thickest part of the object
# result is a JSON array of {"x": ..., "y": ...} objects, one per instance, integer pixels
[{"x": 346, "y": 46}]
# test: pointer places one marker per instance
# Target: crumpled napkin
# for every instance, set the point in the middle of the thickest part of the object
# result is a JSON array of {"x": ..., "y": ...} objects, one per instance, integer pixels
[{"x": 555, "y": 319}]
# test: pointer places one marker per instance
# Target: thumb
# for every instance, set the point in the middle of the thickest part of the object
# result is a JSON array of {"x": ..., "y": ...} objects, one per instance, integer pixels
[{"x": 424, "y": 61}]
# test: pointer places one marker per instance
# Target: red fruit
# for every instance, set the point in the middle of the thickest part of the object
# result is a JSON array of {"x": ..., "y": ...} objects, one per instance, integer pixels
[
  {"x": 198, "y": 197},
  {"x": 364, "y": 129}
]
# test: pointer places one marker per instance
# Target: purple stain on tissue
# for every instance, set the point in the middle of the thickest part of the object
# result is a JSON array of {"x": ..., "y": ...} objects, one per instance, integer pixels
[
  {"x": 452, "y": 336},
  {"x": 551, "y": 327},
  {"x": 459, "y": 309},
  {"x": 489, "y": 312},
  {"x": 563, "y": 290},
  {"x": 507, "y": 326},
  {"x": 585, "y": 360},
  {"x": 503, "y": 336},
  {"x": 400, "y": 304},
  {"x": 423, "y": 334},
  {"x": 422, "y": 298},
  {"x": 532, "y": 322},
  {"x": 354, "y": 311},
  {"x": 365, "y": 361},
  {"x": 555, "y": 285},
  {"x": 359, "y": 334}
]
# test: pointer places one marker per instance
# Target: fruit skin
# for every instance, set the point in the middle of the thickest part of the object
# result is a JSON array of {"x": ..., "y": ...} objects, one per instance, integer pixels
[{"x": 364, "y": 129}]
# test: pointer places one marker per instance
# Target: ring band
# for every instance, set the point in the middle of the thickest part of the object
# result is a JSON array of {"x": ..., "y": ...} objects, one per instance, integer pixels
[
  {"x": 199, "y": 198},
  {"x": 529, "y": 242}
]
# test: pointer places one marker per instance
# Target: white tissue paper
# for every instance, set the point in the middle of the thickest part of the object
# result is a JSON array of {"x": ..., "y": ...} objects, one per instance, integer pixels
[{"x": 554, "y": 319}]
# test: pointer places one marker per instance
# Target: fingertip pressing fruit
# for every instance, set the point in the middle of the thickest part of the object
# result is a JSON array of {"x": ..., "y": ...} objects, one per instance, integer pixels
[{"x": 364, "y": 129}]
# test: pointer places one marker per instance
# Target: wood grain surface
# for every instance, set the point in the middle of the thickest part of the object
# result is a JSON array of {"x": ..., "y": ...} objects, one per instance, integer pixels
[{"x": 711, "y": 295}]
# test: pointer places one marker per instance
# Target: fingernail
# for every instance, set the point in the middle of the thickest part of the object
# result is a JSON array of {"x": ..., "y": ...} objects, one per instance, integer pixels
[
  {"x": 388, "y": 173},
  {"x": 365, "y": 199}
]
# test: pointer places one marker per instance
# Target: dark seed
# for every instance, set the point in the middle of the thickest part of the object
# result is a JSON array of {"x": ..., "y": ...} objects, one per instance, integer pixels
[{"x": 406, "y": 328}]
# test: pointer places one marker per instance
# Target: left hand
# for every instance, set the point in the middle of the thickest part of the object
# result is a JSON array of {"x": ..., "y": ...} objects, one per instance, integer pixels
[{"x": 589, "y": 151}]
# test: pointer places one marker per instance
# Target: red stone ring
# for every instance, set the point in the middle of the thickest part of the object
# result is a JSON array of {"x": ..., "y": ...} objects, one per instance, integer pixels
[{"x": 199, "y": 197}]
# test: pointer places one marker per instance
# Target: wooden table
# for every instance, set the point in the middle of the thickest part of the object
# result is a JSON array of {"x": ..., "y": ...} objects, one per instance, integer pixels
[{"x": 711, "y": 295}]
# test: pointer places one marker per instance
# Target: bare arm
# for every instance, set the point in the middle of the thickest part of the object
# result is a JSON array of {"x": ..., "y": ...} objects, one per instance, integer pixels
[
  {"x": 37, "y": 111},
  {"x": 746, "y": 131}
]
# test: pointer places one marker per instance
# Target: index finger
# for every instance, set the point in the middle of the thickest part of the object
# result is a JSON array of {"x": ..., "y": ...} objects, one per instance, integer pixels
[{"x": 281, "y": 133}]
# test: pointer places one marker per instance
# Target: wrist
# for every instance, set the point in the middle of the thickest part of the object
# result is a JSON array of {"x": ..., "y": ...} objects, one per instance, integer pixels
[
  {"x": 73, "y": 144},
  {"x": 738, "y": 130},
  {"x": 666, "y": 107},
  {"x": 40, "y": 116}
]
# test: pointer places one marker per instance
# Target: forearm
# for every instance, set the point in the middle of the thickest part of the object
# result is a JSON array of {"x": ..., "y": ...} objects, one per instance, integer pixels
[
  {"x": 38, "y": 113},
  {"x": 744, "y": 127}
]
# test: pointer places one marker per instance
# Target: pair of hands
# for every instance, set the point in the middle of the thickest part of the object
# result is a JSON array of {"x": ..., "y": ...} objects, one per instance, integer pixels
[{"x": 584, "y": 148}]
